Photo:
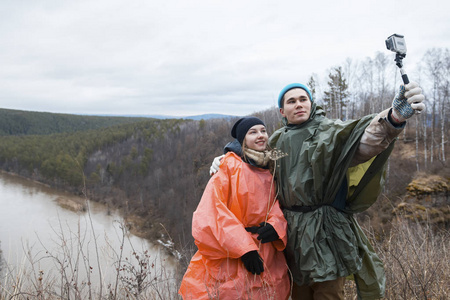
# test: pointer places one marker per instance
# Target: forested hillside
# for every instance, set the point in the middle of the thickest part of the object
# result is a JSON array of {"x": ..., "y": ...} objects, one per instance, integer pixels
[{"x": 17, "y": 122}]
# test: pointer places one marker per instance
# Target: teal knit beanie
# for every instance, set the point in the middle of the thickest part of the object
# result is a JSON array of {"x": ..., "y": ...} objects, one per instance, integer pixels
[{"x": 290, "y": 87}]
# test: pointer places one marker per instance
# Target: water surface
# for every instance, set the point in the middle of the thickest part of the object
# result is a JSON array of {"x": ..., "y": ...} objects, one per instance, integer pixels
[{"x": 37, "y": 232}]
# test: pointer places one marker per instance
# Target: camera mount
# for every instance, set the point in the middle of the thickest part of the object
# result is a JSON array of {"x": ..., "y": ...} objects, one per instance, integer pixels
[{"x": 399, "y": 63}]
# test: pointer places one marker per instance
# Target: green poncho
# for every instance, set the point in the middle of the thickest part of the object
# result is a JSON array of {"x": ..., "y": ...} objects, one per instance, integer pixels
[{"x": 325, "y": 244}]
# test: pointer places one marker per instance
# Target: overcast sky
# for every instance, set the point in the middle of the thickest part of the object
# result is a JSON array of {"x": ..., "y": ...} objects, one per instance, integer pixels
[{"x": 189, "y": 57}]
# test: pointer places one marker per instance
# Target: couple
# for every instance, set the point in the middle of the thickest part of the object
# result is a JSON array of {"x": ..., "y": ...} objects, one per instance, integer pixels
[{"x": 250, "y": 246}]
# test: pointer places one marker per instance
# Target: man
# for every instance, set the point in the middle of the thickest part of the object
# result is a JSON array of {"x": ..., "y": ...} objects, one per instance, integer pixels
[{"x": 333, "y": 169}]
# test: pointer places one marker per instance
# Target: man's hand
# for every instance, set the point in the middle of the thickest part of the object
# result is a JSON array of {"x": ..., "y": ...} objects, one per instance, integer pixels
[
  {"x": 408, "y": 100},
  {"x": 215, "y": 166}
]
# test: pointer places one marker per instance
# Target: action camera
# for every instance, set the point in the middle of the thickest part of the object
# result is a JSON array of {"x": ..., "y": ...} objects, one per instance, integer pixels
[{"x": 396, "y": 43}]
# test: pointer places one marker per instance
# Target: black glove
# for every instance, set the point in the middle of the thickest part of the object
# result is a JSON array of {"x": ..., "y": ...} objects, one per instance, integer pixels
[
  {"x": 253, "y": 229},
  {"x": 266, "y": 232},
  {"x": 253, "y": 262}
]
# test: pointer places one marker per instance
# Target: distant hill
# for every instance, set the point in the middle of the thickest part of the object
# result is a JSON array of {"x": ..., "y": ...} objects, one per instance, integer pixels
[
  {"x": 209, "y": 117},
  {"x": 18, "y": 122},
  {"x": 196, "y": 117}
]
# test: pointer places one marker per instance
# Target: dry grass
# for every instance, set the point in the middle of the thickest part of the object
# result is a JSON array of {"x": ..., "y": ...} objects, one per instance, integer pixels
[
  {"x": 76, "y": 272},
  {"x": 416, "y": 260}
]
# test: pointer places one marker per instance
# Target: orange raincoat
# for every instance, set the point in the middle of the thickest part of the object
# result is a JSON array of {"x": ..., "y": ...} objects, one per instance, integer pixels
[{"x": 238, "y": 196}]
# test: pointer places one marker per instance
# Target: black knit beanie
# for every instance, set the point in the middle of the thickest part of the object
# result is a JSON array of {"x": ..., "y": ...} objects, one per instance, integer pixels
[{"x": 242, "y": 126}]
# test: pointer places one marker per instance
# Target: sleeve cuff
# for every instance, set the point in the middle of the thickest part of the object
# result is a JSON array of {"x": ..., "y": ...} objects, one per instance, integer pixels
[{"x": 393, "y": 123}]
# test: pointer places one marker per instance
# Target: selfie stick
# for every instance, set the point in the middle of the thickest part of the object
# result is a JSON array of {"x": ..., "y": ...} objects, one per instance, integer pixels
[{"x": 398, "y": 59}]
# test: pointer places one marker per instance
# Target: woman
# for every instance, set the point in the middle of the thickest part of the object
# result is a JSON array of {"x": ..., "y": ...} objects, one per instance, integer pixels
[{"x": 238, "y": 227}]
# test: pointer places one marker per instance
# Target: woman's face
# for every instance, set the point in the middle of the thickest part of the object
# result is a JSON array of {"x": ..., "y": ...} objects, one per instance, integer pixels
[{"x": 256, "y": 138}]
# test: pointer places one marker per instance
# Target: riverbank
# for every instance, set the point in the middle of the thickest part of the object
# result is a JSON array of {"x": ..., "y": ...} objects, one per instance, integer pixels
[
  {"x": 49, "y": 251},
  {"x": 136, "y": 225}
]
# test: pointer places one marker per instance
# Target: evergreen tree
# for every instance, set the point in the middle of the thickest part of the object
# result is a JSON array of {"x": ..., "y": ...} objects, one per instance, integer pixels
[
  {"x": 312, "y": 86},
  {"x": 335, "y": 98}
]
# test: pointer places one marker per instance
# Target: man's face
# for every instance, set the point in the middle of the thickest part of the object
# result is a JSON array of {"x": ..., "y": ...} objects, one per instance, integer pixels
[{"x": 297, "y": 106}]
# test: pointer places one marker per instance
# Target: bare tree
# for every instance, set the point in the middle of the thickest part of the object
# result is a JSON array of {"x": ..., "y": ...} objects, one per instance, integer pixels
[
  {"x": 350, "y": 74},
  {"x": 365, "y": 82},
  {"x": 433, "y": 68},
  {"x": 445, "y": 92},
  {"x": 381, "y": 63}
]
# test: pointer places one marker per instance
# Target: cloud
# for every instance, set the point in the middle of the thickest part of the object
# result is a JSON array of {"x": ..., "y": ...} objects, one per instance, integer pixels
[{"x": 190, "y": 57}]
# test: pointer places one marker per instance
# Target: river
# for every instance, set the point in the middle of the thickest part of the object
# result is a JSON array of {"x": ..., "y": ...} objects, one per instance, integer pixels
[{"x": 40, "y": 237}]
